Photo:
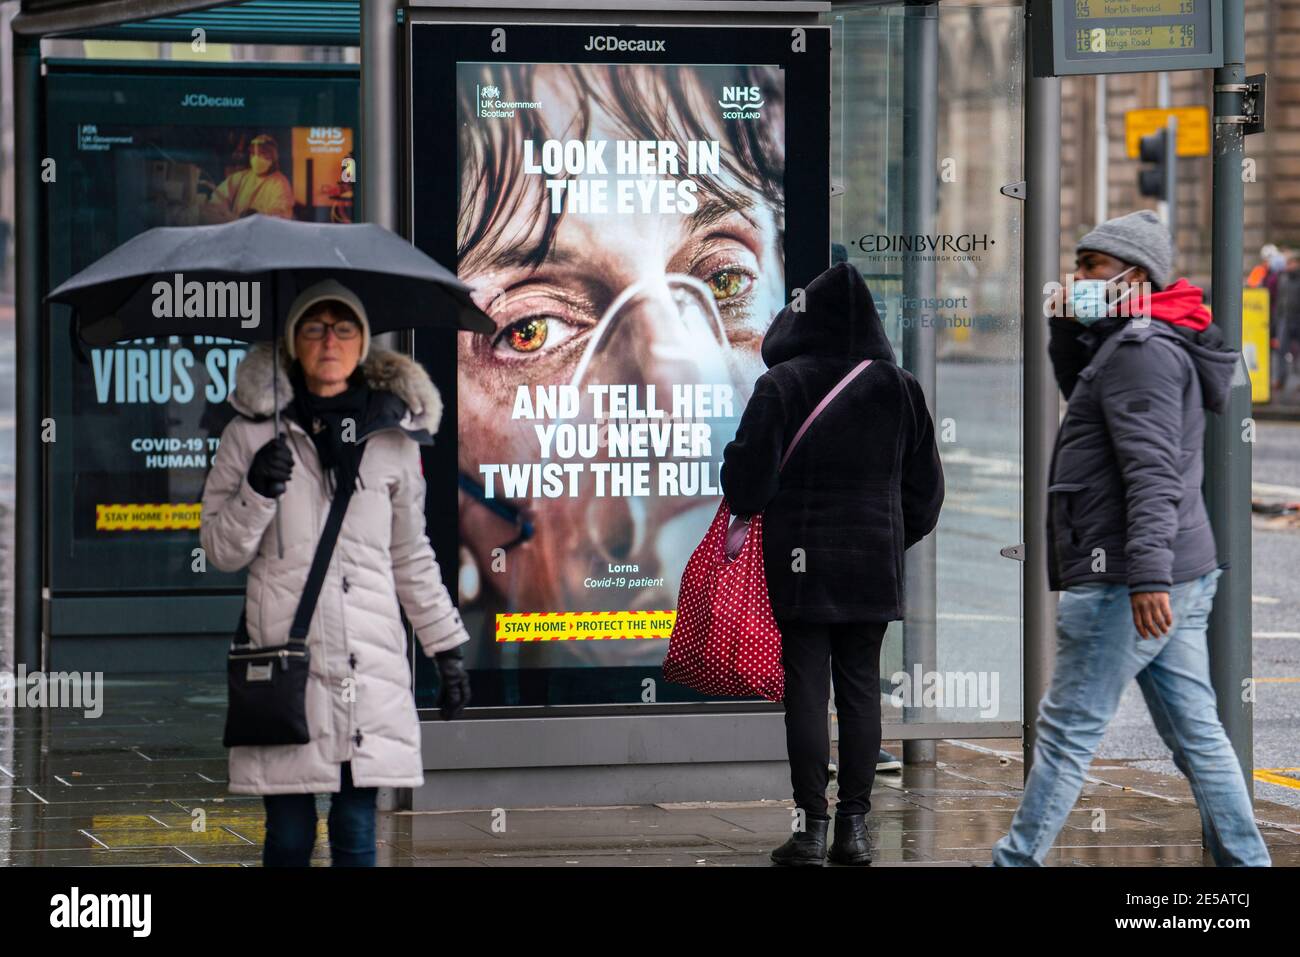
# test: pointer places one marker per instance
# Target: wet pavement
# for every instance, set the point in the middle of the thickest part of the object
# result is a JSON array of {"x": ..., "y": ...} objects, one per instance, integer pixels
[{"x": 145, "y": 784}]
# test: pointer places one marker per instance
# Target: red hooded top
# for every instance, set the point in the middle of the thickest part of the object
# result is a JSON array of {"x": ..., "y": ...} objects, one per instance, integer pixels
[{"x": 1181, "y": 305}]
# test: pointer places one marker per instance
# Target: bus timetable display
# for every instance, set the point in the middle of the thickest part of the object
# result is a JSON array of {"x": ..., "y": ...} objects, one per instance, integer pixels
[{"x": 1113, "y": 36}]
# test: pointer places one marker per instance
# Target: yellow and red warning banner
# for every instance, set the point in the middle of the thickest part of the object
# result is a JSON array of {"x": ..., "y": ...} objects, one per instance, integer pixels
[
  {"x": 584, "y": 625},
  {"x": 136, "y": 517}
]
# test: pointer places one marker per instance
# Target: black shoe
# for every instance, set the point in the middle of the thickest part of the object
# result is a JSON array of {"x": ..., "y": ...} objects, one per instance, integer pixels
[
  {"x": 852, "y": 845},
  {"x": 805, "y": 848}
]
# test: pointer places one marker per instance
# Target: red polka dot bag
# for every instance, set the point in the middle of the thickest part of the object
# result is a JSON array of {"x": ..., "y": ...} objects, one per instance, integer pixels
[{"x": 725, "y": 641}]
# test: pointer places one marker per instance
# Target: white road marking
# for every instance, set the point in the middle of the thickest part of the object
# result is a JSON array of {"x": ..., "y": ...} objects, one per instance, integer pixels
[
  {"x": 988, "y": 464},
  {"x": 1286, "y": 491}
]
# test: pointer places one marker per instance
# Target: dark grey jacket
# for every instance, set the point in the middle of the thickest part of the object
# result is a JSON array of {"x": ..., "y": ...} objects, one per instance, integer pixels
[
  {"x": 1124, "y": 502},
  {"x": 865, "y": 482}
]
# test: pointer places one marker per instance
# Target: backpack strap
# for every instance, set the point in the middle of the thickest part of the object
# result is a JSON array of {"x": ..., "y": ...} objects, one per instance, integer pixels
[{"x": 826, "y": 400}]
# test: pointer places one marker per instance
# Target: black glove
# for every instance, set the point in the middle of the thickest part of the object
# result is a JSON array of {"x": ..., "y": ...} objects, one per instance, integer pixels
[
  {"x": 453, "y": 690},
  {"x": 271, "y": 468}
]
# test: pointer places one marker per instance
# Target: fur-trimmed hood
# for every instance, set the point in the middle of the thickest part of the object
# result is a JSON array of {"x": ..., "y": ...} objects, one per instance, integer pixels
[{"x": 385, "y": 371}]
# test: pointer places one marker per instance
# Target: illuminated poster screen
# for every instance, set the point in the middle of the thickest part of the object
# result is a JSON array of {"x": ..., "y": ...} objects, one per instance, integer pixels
[
  {"x": 629, "y": 215},
  {"x": 138, "y": 422}
]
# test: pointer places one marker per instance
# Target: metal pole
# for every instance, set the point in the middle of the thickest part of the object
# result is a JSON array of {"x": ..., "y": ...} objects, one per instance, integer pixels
[
  {"x": 920, "y": 156},
  {"x": 1227, "y": 452},
  {"x": 378, "y": 160},
  {"x": 379, "y": 170},
  {"x": 380, "y": 181},
  {"x": 1162, "y": 204},
  {"x": 1101, "y": 145},
  {"x": 29, "y": 554},
  {"x": 1040, "y": 404},
  {"x": 1171, "y": 184}
]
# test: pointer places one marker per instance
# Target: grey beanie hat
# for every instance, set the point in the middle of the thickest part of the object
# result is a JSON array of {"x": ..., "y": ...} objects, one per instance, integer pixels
[
  {"x": 326, "y": 289},
  {"x": 1139, "y": 239}
]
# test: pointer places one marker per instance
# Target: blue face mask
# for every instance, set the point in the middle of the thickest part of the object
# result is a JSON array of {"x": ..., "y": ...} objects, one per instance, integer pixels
[{"x": 1089, "y": 299}]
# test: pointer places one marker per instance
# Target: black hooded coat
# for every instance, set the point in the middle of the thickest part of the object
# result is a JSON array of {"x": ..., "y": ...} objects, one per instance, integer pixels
[{"x": 865, "y": 482}]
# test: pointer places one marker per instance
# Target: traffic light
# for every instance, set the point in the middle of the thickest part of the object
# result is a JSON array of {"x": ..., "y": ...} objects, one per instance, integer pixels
[
  {"x": 1157, "y": 180},
  {"x": 1160, "y": 179}
]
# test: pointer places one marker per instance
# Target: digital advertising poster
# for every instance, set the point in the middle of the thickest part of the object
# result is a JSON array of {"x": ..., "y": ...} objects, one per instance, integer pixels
[
  {"x": 628, "y": 213},
  {"x": 140, "y": 420}
]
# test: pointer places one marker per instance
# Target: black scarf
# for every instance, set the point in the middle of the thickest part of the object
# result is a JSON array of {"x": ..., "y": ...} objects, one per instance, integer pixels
[{"x": 324, "y": 419}]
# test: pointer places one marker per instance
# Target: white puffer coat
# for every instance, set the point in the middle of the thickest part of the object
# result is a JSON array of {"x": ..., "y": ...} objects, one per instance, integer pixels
[{"x": 359, "y": 702}]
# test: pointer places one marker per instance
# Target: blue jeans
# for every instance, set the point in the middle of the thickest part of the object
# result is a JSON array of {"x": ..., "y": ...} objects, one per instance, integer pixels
[
  {"x": 1098, "y": 652},
  {"x": 291, "y": 827}
]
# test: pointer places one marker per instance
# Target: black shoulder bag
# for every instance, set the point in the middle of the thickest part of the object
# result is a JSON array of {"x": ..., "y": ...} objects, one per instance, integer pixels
[{"x": 268, "y": 685}]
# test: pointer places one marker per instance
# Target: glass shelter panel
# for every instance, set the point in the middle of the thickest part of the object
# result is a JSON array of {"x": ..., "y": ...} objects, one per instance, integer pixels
[{"x": 926, "y": 127}]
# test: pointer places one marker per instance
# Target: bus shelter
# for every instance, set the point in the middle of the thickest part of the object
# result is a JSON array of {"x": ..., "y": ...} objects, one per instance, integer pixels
[{"x": 742, "y": 146}]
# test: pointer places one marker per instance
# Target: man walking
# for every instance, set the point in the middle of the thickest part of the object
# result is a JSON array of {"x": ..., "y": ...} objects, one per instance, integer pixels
[{"x": 1130, "y": 543}]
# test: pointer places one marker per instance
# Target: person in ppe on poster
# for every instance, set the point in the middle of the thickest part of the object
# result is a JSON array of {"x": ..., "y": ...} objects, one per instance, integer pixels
[
  {"x": 356, "y": 415},
  {"x": 1130, "y": 545},
  {"x": 262, "y": 188},
  {"x": 864, "y": 485},
  {"x": 626, "y": 302}
]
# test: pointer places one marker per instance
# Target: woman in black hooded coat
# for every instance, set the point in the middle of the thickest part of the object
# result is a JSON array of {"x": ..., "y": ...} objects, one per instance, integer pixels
[{"x": 864, "y": 484}]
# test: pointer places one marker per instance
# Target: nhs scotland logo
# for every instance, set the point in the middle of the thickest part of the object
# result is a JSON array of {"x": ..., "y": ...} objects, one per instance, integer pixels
[{"x": 741, "y": 102}]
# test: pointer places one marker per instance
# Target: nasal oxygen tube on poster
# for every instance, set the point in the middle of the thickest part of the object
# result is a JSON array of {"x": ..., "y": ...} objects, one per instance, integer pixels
[
  {"x": 659, "y": 343},
  {"x": 657, "y": 334}
]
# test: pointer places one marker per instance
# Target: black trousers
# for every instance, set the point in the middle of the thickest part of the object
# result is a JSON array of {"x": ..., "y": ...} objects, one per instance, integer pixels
[{"x": 812, "y": 653}]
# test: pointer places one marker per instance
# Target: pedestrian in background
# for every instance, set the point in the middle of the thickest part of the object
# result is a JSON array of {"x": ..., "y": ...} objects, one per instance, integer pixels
[
  {"x": 336, "y": 395},
  {"x": 1285, "y": 323},
  {"x": 864, "y": 484},
  {"x": 1129, "y": 541}
]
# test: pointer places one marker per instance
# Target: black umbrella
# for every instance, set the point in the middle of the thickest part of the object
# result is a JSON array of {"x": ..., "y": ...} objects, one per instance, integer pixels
[
  {"x": 237, "y": 279},
  {"x": 121, "y": 295}
]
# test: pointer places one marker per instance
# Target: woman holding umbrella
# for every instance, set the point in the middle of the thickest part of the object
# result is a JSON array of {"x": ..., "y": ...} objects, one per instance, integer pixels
[{"x": 352, "y": 417}]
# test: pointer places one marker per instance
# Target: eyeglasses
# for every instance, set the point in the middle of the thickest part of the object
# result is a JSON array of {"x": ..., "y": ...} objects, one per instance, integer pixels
[{"x": 343, "y": 329}]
